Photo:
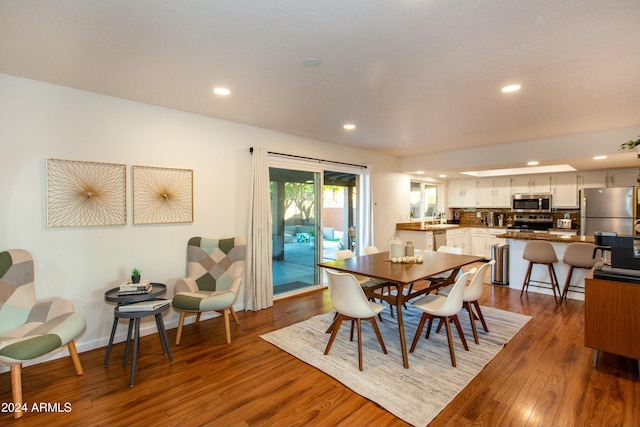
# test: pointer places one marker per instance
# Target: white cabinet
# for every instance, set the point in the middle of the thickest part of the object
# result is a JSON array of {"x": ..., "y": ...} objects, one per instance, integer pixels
[
  {"x": 459, "y": 238},
  {"x": 494, "y": 192},
  {"x": 492, "y": 239},
  {"x": 565, "y": 191},
  {"x": 593, "y": 179},
  {"x": 462, "y": 194},
  {"x": 623, "y": 177},
  {"x": 420, "y": 239},
  {"x": 531, "y": 184},
  {"x": 478, "y": 241}
]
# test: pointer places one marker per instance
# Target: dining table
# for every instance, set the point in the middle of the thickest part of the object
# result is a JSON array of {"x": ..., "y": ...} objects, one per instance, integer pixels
[{"x": 403, "y": 276}]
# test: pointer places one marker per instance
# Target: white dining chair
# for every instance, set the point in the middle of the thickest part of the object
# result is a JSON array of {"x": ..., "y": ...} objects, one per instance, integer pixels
[
  {"x": 351, "y": 303},
  {"x": 445, "y": 309},
  {"x": 470, "y": 296}
]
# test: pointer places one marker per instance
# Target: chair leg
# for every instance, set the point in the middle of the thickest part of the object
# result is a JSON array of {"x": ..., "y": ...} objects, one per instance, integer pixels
[
  {"x": 456, "y": 322},
  {"x": 197, "y": 322},
  {"x": 73, "y": 352},
  {"x": 227, "y": 329},
  {"x": 416, "y": 338},
  {"x": 525, "y": 284},
  {"x": 554, "y": 283},
  {"x": 235, "y": 316},
  {"x": 378, "y": 334},
  {"x": 567, "y": 283},
  {"x": 334, "y": 332},
  {"x": 359, "y": 325},
  {"x": 467, "y": 305},
  {"x": 180, "y": 324},
  {"x": 480, "y": 316},
  {"x": 452, "y": 352},
  {"x": 16, "y": 389}
]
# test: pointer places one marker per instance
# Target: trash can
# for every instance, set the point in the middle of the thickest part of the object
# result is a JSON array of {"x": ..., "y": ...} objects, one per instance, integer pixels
[{"x": 500, "y": 270}]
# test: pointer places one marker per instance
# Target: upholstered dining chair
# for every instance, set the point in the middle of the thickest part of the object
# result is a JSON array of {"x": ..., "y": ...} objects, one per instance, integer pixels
[
  {"x": 470, "y": 296},
  {"x": 351, "y": 303},
  {"x": 30, "y": 328},
  {"x": 215, "y": 269},
  {"x": 444, "y": 308}
]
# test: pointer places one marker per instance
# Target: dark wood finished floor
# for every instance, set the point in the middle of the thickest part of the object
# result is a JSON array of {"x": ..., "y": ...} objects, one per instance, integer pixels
[{"x": 543, "y": 377}]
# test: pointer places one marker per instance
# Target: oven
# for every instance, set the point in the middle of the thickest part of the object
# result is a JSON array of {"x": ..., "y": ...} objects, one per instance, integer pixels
[
  {"x": 531, "y": 203},
  {"x": 531, "y": 222}
]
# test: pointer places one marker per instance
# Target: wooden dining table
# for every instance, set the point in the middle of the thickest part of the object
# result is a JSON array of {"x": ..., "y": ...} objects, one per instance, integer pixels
[{"x": 403, "y": 275}]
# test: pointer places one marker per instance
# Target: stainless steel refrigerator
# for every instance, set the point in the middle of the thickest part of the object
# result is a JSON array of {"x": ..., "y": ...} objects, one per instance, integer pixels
[{"x": 608, "y": 209}]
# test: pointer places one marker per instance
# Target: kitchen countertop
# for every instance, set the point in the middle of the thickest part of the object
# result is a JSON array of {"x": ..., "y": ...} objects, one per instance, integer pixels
[
  {"x": 562, "y": 238},
  {"x": 415, "y": 226}
]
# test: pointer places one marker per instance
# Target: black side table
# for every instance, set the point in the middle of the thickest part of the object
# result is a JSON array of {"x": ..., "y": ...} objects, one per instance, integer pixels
[{"x": 134, "y": 321}]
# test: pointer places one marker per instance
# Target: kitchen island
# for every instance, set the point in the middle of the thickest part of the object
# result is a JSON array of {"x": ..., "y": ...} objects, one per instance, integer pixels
[{"x": 518, "y": 265}]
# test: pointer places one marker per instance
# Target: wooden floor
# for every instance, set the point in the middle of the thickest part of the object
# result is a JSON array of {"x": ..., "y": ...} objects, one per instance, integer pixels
[{"x": 543, "y": 377}]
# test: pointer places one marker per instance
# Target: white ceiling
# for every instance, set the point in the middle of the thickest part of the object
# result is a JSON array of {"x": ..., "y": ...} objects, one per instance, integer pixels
[{"x": 415, "y": 76}]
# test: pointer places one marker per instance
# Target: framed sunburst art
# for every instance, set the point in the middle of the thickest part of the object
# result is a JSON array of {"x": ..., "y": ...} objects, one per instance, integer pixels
[
  {"x": 162, "y": 195},
  {"x": 85, "y": 193}
]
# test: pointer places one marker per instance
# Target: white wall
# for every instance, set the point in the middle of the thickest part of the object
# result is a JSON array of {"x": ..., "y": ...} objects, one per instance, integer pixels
[{"x": 39, "y": 121}]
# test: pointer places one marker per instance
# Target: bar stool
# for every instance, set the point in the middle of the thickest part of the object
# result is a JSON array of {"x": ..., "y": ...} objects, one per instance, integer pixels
[
  {"x": 577, "y": 255},
  {"x": 541, "y": 252}
]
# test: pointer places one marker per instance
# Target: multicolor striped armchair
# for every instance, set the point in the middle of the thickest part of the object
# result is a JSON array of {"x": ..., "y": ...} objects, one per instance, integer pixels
[
  {"x": 30, "y": 329},
  {"x": 215, "y": 269}
]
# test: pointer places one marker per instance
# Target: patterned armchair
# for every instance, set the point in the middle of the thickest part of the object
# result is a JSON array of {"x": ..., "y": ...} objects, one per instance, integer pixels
[
  {"x": 30, "y": 329},
  {"x": 215, "y": 269}
]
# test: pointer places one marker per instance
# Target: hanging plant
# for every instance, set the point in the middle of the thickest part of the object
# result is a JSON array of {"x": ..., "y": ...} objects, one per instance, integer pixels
[{"x": 631, "y": 144}]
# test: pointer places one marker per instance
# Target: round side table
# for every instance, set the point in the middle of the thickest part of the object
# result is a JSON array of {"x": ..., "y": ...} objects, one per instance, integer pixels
[{"x": 134, "y": 323}]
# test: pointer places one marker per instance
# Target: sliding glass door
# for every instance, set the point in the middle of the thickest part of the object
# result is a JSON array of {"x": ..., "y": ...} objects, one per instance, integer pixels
[{"x": 315, "y": 213}]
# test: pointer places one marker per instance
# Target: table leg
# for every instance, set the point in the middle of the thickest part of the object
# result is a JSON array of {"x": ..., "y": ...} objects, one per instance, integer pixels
[
  {"x": 113, "y": 334},
  {"x": 163, "y": 337},
  {"x": 403, "y": 340},
  {"x": 136, "y": 341},
  {"x": 126, "y": 347}
]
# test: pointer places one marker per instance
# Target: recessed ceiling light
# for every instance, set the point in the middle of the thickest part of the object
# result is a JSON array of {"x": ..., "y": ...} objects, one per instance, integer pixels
[
  {"x": 599, "y": 157},
  {"x": 511, "y": 88},
  {"x": 349, "y": 126},
  {"x": 221, "y": 91},
  {"x": 442, "y": 176},
  {"x": 420, "y": 172},
  {"x": 533, "y": 163}
]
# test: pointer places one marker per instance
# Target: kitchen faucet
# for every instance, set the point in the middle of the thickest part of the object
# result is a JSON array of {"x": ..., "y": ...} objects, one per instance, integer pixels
[{"x": 436, "y": 214}]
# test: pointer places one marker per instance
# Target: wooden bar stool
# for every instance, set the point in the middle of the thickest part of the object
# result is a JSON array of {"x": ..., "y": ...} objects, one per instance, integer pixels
[
  {"x": 577, "y": 255},
  {"x": 541, "y": 252}
]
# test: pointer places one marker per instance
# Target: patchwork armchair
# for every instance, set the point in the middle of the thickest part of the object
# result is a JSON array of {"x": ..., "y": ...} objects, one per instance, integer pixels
[
  {"x": 30, "y": 329},
  {"x": 215, "y": 269}
]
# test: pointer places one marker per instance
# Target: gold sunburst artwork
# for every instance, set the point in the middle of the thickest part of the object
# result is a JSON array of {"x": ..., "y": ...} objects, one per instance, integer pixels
[
  {"x": 162, "y": 195},
  {"x": 85, "y": 193}
]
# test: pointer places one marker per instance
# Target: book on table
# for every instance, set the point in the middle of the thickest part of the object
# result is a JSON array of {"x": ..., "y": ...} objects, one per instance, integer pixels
[
  {"x": 143, "y": 306},
  {"x": 142, "y": 286}
]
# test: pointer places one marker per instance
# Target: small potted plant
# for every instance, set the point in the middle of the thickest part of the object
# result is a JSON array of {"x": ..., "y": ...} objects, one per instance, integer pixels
[
  {"x": 631, "y": 144},
  {"x": 135, "y": 275}
]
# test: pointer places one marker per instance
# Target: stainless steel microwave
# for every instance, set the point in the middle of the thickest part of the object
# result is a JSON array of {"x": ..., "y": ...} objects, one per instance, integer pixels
[{"x": 531, "y": 203}]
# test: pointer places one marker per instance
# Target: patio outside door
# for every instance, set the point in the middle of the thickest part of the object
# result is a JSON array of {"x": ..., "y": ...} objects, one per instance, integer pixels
[{"x": 306, "y": 231}]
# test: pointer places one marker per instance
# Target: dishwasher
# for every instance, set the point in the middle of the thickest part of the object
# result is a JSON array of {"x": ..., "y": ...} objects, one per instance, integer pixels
[{"x": 439, "y": 239}]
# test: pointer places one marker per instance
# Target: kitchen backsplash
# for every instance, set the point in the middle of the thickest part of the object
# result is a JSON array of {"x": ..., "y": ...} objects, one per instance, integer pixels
[{"x": 469, "y": 217}]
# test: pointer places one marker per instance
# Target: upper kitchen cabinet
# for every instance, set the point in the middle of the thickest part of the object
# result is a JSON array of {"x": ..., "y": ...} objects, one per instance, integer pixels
[
  {"x": 623, "y": 177},
  {"x": 462, "y": 194},
  {"x": 609, "y": 178},
  {"x": 531, "y": 184},
  {"x": 593, "y": 179},
  {"x": 565, "y": 191},
  {"x": 494, "y": 192}
]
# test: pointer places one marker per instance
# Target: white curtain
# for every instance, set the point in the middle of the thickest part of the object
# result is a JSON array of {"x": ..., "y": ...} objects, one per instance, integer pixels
[
  {"x": 364, "y": 233},
  {"x": 259, "y": 287}
]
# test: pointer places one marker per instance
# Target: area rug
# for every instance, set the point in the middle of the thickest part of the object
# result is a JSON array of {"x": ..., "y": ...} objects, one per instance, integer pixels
[{"x": 417, "y": 394}]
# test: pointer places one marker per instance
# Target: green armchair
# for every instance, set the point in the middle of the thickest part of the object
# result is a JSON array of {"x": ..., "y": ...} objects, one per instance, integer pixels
[
  {"x": 30, "y": 329},
  {"x": 215, "y": 270}
]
